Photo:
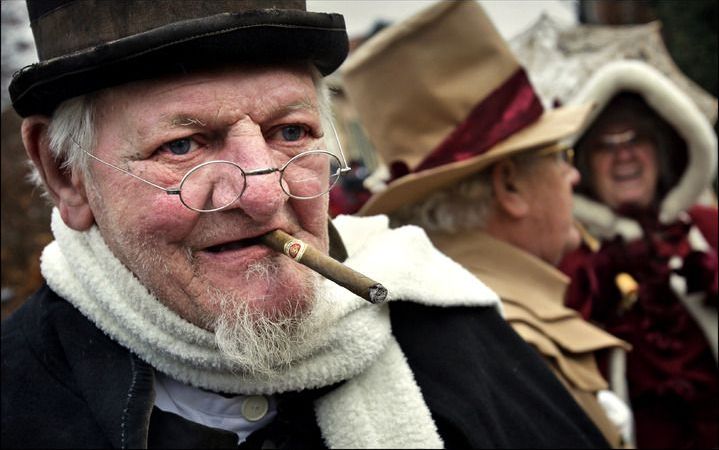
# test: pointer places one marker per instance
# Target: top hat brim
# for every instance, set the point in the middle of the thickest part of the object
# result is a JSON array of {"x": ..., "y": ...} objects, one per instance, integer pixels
[
  {"x": 262, "y": 36},
  {"x": 553, "y": 126}
]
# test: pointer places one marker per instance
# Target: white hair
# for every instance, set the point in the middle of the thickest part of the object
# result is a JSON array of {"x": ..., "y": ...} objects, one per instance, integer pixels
[
  {"x": 324, "y": 103},
  {"x": 460, "y": 207},
  {"x": 71, "y": 128},
  {"x": 464, "y": 206}
]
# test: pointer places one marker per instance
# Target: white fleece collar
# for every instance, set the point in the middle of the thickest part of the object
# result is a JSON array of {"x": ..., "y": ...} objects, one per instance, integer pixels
[
  {"x": 359, "y": 347},
  {"x": 602, "y": 222}
]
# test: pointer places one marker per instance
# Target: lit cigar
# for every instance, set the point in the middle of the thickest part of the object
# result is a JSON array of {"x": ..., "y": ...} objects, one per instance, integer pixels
[{"x": 326, "y": 266}]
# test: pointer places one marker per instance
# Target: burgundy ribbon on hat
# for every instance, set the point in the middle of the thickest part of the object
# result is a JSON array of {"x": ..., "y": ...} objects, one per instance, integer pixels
[{"x": 508, "y": 109}]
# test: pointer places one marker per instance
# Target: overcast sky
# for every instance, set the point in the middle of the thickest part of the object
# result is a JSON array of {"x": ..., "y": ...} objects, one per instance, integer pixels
[{"x": 510, "y": 16}]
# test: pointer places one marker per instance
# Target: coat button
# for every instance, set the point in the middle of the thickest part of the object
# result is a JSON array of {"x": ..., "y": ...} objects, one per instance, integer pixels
[{"x": 255, "y": 407}]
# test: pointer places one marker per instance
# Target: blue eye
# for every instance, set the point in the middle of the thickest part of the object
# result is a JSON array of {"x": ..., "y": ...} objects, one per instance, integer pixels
[
  {"x": 293, "y": 132},
  {"x": 180, "y": 146}
]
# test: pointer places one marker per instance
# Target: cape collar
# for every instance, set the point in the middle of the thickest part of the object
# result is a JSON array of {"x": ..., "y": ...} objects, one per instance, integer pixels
[
  {"x": 532, "y": 293},
  {"x": 508, "y": 270}
]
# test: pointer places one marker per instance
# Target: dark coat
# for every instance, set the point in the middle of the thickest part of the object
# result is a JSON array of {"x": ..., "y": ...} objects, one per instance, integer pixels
[{"x": 66, "y": 384}]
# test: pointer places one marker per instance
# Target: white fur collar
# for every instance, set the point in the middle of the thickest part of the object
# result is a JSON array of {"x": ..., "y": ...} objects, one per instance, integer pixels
[
  {"x": 359, "y": 348},
  {"x": 672, "y": 105},
  {"x": 602, "y": 222}
]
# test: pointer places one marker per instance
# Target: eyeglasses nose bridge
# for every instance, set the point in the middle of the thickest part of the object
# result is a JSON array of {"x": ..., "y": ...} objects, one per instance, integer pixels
[
  {"x": 254, "y": 172},
  {"x": 266, "y": 171}
]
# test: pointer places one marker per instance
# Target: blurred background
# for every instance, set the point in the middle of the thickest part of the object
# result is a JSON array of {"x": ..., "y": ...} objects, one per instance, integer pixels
[{"x": 559, "y": 42}]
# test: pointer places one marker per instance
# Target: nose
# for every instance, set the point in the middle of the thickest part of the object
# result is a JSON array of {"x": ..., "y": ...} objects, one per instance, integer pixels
[
  {"x": 574, "y": 176},
  {"x": 263, "y": 197},
  {"x": 623, "y": 151}
]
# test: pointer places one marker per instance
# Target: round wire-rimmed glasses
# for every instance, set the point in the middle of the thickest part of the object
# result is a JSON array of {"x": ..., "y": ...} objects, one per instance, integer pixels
[{"x": 215, "y": 185}]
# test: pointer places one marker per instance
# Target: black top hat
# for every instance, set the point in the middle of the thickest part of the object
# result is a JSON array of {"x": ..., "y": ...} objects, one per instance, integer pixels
[{"x": 86, "y": 45}]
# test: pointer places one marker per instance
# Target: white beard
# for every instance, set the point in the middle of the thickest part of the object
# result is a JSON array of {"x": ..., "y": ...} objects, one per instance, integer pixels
[{"x": 264, "y": 343}]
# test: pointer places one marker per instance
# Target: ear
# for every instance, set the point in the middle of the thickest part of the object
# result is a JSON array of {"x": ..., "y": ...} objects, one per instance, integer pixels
[
  {"x": 510, "y": 192},
  {"x": 66, "y": 187}
]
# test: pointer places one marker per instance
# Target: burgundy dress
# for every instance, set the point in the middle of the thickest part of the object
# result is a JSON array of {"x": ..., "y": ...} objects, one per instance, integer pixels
[{"x": 672, "y": 373}]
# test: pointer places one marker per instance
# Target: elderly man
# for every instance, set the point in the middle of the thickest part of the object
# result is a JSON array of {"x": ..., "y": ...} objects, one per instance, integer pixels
[
  {"x": 480, "y": 166},
  {"x": 648, "y": 273},
  {"x": 171, "y": 137}
]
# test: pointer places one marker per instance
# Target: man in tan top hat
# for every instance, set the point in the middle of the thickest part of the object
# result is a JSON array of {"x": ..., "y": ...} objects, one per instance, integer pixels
[{"x": 476, "y": 161}]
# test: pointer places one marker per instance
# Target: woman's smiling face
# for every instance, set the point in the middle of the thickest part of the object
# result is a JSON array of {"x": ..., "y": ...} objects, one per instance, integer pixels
[{"x": 624, "y": 166}]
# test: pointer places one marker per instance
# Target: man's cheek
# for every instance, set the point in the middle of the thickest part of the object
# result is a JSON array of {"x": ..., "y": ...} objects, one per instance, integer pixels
[
  {"x": 312, "y": 216},
  {"x": 167, "y": 217}
]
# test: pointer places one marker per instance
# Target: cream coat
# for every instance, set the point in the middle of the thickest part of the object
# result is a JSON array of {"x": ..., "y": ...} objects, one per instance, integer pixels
[{"x": 532, "y": 294}]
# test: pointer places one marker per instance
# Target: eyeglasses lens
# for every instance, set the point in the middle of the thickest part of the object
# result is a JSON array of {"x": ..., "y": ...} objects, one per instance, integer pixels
[
  {"x": 212, "y": 186},
  {"x": 306, "y": 175}
]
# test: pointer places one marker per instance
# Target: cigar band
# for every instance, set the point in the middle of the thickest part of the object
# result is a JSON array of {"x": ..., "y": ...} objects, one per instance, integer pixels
[{"x": 295, "y": 249}]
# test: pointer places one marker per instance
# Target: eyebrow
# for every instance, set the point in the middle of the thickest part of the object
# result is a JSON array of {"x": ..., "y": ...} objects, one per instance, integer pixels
[
  {"x": 171, "y": 122},
  {"x": 184, "y": 120},
  {"x": 300, "y": 105}
]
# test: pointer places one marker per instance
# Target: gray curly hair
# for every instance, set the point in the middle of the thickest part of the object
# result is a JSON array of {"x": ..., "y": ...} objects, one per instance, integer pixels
[{"x": 464, "y": 206}]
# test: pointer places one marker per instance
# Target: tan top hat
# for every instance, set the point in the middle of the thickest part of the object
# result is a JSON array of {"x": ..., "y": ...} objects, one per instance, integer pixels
[{"x": 441, "y": 97}]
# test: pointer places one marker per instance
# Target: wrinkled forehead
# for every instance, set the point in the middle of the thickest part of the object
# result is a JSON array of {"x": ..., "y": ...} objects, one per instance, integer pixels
[{"x": 251, "y": 90}]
